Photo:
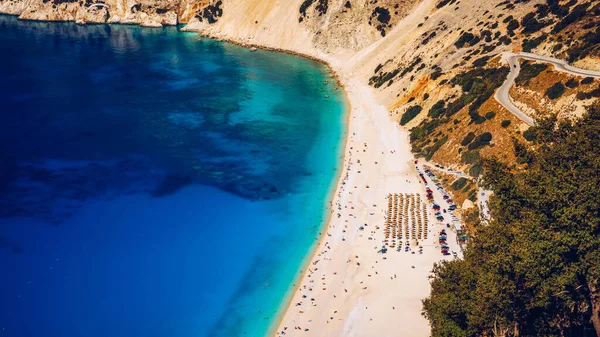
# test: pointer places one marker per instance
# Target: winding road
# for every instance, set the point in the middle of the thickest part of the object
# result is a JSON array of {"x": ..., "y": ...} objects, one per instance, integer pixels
[
  {"x": 502, "y": 94},
  {"x": 99, "y": 5}
]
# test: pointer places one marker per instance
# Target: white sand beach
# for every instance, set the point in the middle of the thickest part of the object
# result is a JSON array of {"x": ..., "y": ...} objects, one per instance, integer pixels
[{"x": 349, "y": 289}]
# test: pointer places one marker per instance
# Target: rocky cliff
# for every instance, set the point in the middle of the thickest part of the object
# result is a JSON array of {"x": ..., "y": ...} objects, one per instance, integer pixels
[{"x": 150, "y": 13}]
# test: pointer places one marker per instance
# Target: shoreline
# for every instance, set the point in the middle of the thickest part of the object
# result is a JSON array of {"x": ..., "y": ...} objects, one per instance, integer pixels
[
  {"x": 335, "y": 185},
  {"x": 328, "y": 209},
  {"x": 399, "y": 176},
  {"x": 392, "y": 171}
]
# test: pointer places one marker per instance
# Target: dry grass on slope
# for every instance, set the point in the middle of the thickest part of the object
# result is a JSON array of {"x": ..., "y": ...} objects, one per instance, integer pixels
[
  {"x": 574, "y": 93},
  {"x": 501, "y": 146},
  {"x": 440, "y": 80}
]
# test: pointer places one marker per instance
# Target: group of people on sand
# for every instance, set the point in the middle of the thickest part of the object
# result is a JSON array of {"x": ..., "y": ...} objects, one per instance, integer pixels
[
  {"x": 312, "y": 282},
  {"x": 406, "y": 219}
]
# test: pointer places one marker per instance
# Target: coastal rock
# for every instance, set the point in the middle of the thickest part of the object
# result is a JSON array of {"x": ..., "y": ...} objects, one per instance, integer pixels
[
  {"x": 151, "y": 22},
  {"x": 14, "y": 7},
  {"x": 169, "y": 18},
  {"x": 51, "y": 11},
  {"x": 114, "y": 19},
  {"x": 92, "y": 14},
  {"x": 149, "y": 13}
]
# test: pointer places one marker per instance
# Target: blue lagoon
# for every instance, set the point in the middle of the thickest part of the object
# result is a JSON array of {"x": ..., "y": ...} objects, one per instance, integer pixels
[{"x": 155, "y": 183}]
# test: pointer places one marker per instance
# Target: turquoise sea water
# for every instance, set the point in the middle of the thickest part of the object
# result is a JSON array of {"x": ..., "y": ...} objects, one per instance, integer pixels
[{"x": 154, "y": 183}]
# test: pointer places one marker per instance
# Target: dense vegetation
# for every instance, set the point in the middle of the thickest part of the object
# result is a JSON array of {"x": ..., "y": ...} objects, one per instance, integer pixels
[
  {"x": 480, "y": 141},
  {"x": 535, "y": 269},
  {"x": 468, "y": 138},
  {"x": 459, "y": 184},
  {"x": 528, "y": 71},
  {"x": 410, "y": 113},
  {"x": 556, "y": 90}
]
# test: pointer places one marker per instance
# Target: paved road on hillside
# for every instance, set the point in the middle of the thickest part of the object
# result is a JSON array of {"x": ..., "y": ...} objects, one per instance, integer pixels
[{"x": 502, "y": 94}]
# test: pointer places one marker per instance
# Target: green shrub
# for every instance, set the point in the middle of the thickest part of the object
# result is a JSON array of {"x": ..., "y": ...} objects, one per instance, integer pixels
[
  {"x": 583, "y": 95},
  {"x": 528, "y": 71},
  {"x": 437, "y": 109},
  {"x": 304, "y": 6},
  {"x": 529, "y": 44},
  {"x": 411, "y": 113},
  {"x": 480, "y": 141},
  {"x": 430, "y": 151},
  {"x": 464, "y": 38},
  {"x": 477, "y": 118},
  {"x": 531, "y": 24},
  {"x": 470, "y": 157},
  {"x": 476, "y": 170},
  {"x": 557, "y": 47},
  {"x": 459, "y": 183},
  {"x": 379, "y": 80},
  {"x": 468, "y": 138},
  {"x": 524, "y": 156},
  {"x": 478, "y": 85},
  {"x": 482, "y": 61},
  {"x": 442, "y": 3},
  {"x": 556, "y": 90},
  {"x": 505, "y": 40},
  {"x": 473, "y": 196},
  {"x": 572, "y": 83},
  {"x": 530, "y": 134},
  {"x": 577, "y": 13},
  {"x": 427, "y": 127},
  {"x": 587, "y": 80},
  {"x": 411, "y": 66},
  {"x": 490, "y": 115},
  {"x": 512, "y": 25},
  {"x": 505, "y": 123}
]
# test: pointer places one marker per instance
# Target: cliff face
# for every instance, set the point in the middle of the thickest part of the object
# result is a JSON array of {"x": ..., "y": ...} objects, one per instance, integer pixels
[
  {"x": 332, "y": 26},
  {"x": 150, "y": 13},
  {"x": 339, "y": 28}
]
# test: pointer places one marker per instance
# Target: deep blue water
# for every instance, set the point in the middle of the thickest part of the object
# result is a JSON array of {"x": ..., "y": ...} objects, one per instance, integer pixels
[{"x": 154, "y": 183}]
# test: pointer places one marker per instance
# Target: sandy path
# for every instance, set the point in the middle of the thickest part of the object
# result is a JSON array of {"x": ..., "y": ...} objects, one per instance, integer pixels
[{"x": 349, "y": 288}]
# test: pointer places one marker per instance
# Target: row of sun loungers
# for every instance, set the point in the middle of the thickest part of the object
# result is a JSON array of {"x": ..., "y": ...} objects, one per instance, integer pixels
[{"x": 406, "y": 219}]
